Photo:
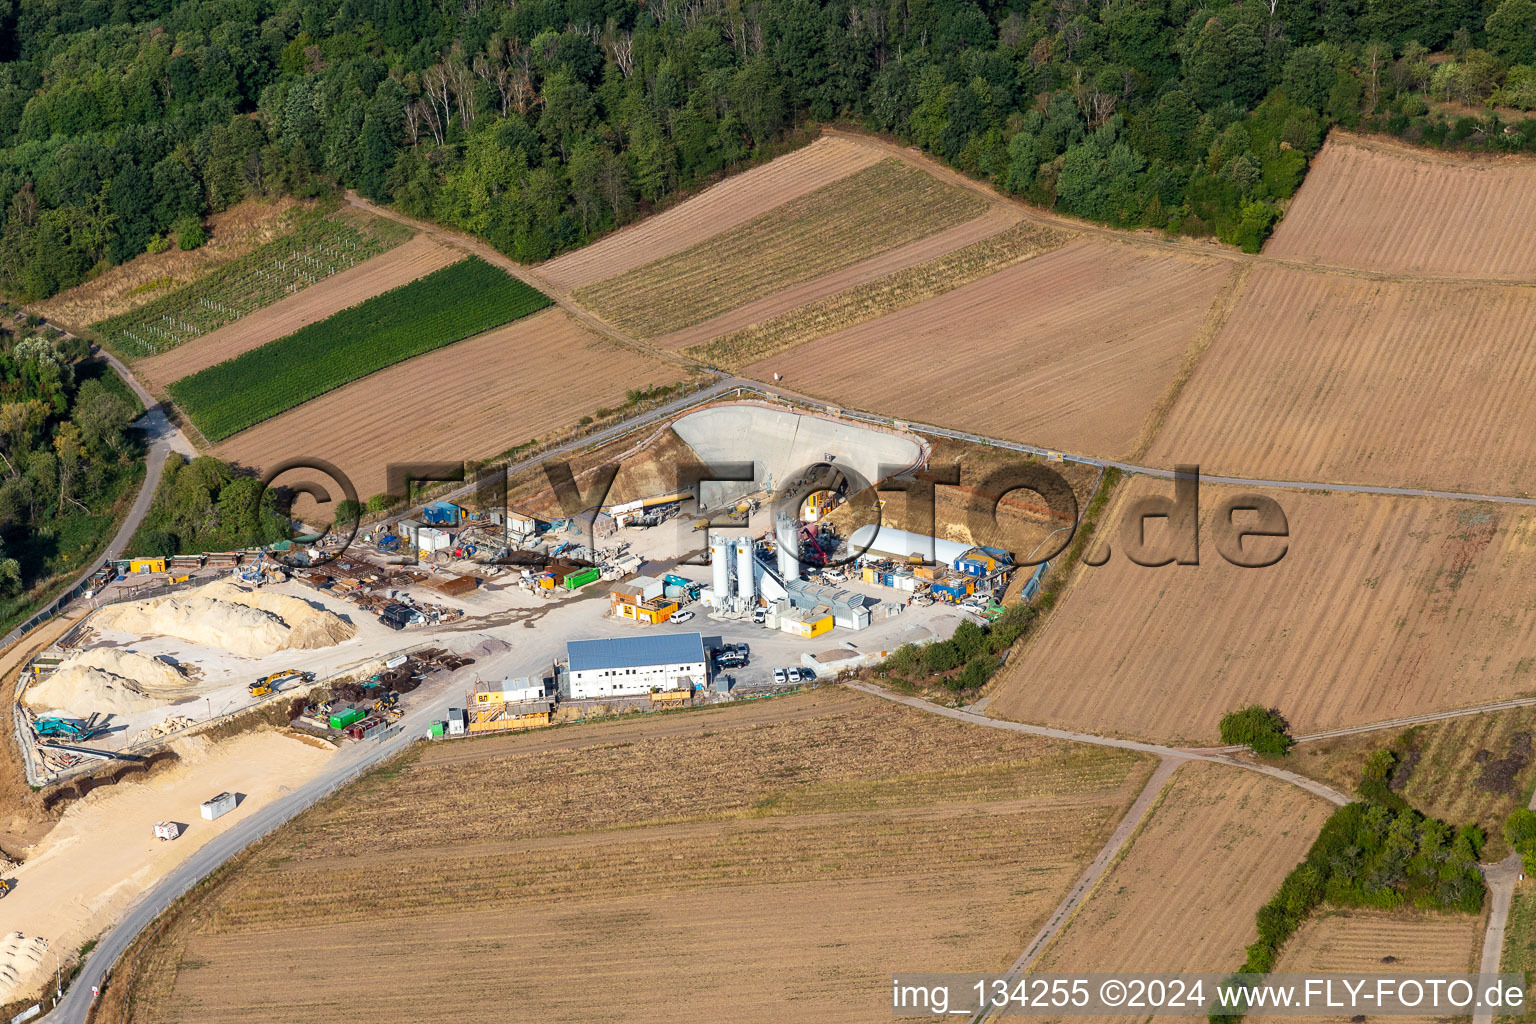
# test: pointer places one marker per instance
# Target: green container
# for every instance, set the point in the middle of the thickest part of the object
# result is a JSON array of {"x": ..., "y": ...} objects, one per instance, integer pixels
[
  {"x": 581, "y": 579},
  {"x": 342, "y": 719}
]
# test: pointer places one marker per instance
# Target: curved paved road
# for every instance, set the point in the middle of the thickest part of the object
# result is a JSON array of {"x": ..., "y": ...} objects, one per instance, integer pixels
[{"x": 348, "y": 763}]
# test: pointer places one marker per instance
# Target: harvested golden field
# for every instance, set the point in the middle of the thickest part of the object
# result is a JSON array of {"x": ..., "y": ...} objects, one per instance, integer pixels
[
  {"x": 1326, "y": 377},
  {"x": 1381, "y": 608},
  {"x": 872, "y": 211},
  {"x": 1375, "y": 205},
  {"x": 732, "y": 202},
  {"x": 1183, "y": 893},
  {"x": 981, "y": 238},
  {"x": 688, "y": 867},
  {"x": 904, "y": 287},
  {"x": 1380, "y": 942},
  {"x": 470, "y": 400},
  {"x": 1072, "y": 349},
  {"x": 400, "y": 265},
  {"x": 231, "y": 233},
  {"x": 1477, "y": 768}
]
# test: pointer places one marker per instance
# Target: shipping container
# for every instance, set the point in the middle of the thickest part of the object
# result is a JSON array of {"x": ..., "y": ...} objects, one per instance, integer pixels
[
  {"x": 342, "y": 719},
  {"x": 435, "y": 730},
  {"x": 218, "y": 806},
  {"x": 577, "y": 580}
]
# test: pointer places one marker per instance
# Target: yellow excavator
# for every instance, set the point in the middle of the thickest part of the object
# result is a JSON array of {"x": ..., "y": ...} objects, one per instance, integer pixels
[
  {"x": 267, "y": 684},
  {"x": 6, "y": 887}
]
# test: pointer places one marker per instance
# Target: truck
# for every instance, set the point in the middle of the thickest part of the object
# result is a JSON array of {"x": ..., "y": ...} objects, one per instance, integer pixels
[{"x": 166, "y": 830}]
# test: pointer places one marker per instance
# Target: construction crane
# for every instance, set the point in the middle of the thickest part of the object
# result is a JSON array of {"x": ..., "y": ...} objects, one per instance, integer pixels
[{"x": 267, "y": 684}]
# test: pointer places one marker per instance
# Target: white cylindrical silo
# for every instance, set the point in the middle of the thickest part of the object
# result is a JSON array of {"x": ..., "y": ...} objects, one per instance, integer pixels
[
  {"x": 746, "y": 583},
  {"x": 720, "y": 563},
  {"x": 789, "y": 548}
]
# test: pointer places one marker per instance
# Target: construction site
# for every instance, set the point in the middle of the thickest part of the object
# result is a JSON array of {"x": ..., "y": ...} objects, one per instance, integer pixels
[{"x": 469, "y": 615}]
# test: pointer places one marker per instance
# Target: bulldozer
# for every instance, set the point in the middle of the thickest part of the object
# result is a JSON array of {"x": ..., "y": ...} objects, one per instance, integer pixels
[{"x": 268, "y": 684}]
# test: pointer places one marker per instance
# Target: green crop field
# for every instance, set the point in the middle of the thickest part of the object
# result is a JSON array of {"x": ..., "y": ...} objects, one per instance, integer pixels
[
  {"x": 319, "y": 245},
  {"x": 448, "y": 305}
]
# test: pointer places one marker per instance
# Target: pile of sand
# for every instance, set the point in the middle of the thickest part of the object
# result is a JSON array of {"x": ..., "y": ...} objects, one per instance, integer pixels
[
  {"x": 248, "y": 623},
  {"x": 19, "y": 957},
  {"x": 110, "y": 681}
]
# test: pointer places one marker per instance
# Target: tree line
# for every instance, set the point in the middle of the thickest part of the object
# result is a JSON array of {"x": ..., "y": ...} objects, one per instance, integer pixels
[
  {"x": 541, "y": 124},
  {"x": 67, "y": 456}
]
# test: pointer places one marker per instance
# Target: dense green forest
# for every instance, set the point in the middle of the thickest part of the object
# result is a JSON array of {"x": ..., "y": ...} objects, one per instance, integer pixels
[
  {"x": 542, "y": 123},
  {"x": 67, "y": 457}
]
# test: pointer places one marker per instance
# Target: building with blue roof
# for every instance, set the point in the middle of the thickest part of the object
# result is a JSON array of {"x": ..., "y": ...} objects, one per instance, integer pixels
[{"x": 632, "y": 665}]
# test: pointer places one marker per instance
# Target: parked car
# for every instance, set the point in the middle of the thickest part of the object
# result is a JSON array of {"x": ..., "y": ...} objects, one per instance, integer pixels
[
  {"x": 680, "y": 616},
  {"x": 780, "y": 676},
  {"x": 760, "y": 616},
  {"x": 794, "y": 675}
]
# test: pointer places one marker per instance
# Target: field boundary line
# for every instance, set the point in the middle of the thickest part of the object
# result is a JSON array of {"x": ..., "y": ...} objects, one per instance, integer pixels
[
  {"x": 1312, "y": 786},
  {"x": 559, "y": 296},
  {"x": 1057, "y": 454},
  {"x": 1216, "y": 317},
  {"x": 1109, "y": 855}
]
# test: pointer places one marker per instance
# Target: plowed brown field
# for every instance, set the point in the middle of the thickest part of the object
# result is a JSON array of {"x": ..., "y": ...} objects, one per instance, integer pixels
[
  {"x": 1070, "y": 349},
  {"x": 400, "y": 265},
  {"x": 1382, "y": 608},
  {"x": 767, "y": 871},
  {"x": 1359, "y": 941},
  {"x": 1325, "y": 377},
  {"x": 1183, "y": 894},
  {"x": 734, "y": 201},
  {"x": 474, "y": 399},
  {"x": 1377, "y": 206}
]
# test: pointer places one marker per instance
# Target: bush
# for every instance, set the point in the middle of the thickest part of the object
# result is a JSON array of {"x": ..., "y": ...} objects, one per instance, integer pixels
[
  {"x": 190, "y": 233},
  {"x": 348, "y": 512},
  {"x": 1262, "y": 730},
  {"x": 1520, "y": 831},
  {"x": 1375, "y": 780},
  {"x": 158, "y": 244},
  {"x": 380, "y": 503},
  {"x": 977, "y": 671},
  {"x": 942, "y": 656},
  {"x": 1370, "y": 856}
]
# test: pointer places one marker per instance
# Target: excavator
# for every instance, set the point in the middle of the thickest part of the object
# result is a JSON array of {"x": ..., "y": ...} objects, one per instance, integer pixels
[
  {"x": 267, "y": 684},
  {"x": 6, "y": 887}
]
